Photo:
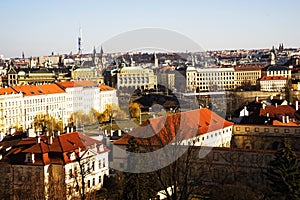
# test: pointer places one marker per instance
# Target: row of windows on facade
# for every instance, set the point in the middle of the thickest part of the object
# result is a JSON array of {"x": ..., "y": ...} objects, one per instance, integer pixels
[
  {"x": 212, "y": 74},
  {"x": 210, "y": 83},
  {"x": 245, "y": 159},
  {"x": 45, "y": 100},
  {"x": 88, "y": 167},
  {"x": 209, "y": 136},
  {"x": 134, "y": 73},
  {"x": 278, "y": 72},
  {"x": 248, "y": 73},
  {"x": 267, "y": 130},
  {"x": 211, "y": 87},
  {"x": 11, "y": 104},
  {"x": 134, "y": 82},
  {"x": 13, "y": 120},
  {"x": 89, "y": 184},
  {"x": 211, "y": 78},
  {"x": 247, "y": 78},
  {"x": 134, "y": 79}
]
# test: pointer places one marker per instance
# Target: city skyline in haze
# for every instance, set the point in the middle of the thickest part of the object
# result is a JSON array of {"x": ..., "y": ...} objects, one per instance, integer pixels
[{"x": 41, "y": 27}]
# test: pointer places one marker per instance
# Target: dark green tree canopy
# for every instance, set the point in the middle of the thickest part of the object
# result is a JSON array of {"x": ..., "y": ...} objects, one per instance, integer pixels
[{"x": 284, "y": 174}]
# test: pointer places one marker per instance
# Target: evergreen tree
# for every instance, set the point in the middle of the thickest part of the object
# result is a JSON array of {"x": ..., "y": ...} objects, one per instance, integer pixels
[
  {"x": 284, "y": 173},
  {"x": 137, "y": 186}
]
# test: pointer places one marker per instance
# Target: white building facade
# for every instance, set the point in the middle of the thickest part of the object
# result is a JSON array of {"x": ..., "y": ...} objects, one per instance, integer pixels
[
  {"x": 272, "y": 83},
  {"x": 136, "y": 77},
  {"x": 108, "y": 96},
  {"x": 42, "y": 99},
  {"x": 209, "y": 79},
  {"x": 11, "y": 110},
  {"x": 48, "y": 167}
]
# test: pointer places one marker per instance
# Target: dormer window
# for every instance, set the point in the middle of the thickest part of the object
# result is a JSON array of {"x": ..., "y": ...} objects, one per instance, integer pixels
[
  {"x": 29, "y": 158},
  {"x": 72, "y": 156}
]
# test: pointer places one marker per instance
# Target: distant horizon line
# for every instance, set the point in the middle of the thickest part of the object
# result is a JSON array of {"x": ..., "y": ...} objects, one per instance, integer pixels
[{"x": 120, "y": 52}]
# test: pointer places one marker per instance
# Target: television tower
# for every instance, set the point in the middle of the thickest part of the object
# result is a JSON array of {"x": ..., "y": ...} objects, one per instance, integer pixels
[{"x": 80, "y": 41}]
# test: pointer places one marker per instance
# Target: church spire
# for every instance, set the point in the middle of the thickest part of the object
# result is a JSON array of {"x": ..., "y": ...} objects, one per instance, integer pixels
[{"x": 94, "y": 55}]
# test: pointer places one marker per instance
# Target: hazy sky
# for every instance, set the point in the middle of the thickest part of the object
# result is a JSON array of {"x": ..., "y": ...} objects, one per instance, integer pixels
[{"x": 40, "y": 27}]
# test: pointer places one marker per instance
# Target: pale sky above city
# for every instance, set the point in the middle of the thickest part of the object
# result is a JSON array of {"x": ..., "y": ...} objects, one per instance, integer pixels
[{"x": 41, "y": 27}]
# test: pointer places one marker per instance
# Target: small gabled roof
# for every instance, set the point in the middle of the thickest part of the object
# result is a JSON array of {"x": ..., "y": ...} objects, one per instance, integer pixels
[
  {"x": 72, "y": 141},
  {"x": 12, "y": 70},
  {"x": 37, "y": 148}
]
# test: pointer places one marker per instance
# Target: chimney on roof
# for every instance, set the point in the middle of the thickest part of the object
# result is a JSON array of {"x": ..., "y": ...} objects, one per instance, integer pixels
[
  {"x": 263, "y": 106},
  {"x": 38, "y": 139},
  {"x": 283, "y": 119},
  {"x": 71, "y": 129},
  {"x": 287, "y": 119},
  {"x": 276, "y": 105},
  {"x": 297, "y": 105},
  {"x": 58, "y": 133},
  {"x": 50, "y": 140},
  {"x": 119, "y": 133}
]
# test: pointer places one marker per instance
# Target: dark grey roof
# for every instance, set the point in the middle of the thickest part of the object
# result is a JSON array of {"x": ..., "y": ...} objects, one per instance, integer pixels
[{"x": 274, "y": 68}]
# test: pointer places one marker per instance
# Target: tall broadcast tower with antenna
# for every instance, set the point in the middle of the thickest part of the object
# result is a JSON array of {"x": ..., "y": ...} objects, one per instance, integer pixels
[{"x": 80, "y": 42}]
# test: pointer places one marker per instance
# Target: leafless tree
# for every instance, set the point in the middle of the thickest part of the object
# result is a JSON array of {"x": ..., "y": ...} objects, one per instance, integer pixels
[
  {"x": 180, "y": 179},
  {"x": 86, "y": 166}
]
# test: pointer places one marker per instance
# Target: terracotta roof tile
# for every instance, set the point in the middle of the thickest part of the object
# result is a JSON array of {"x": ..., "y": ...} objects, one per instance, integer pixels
[
  {"x": 268, "y": 78},
  {"x": 279, "y": 123},
  {"x": 71, "y": 84},
  {"x": 37, "y": 148},
  {"x": 58, "y": 152},
  {"x": 32, "y": 90},
  {"x": 7, "y": 90},
  {"x": 277, "y": 112},
  {"x": 105, "y": 87},
  {"x": 184, "y": 125}
]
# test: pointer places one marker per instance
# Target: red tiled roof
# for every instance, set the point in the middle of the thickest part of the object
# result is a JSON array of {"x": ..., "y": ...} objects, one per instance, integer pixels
[
  {"x": 37, "y": 148},
  {"x": 278, "y": 123},
  {"x": 105, "y": 87},
  {"x": 184, "y": 125},
  {"x": 58, "y": 152},
  {"x": 7, "y": 90},
  {"x": 32, "y": 90},
  {"x": 248, "y": 67},
  {"x": 276, "y": 112},
  {"x": 267, "y": 78},
  {"x": 71, "y": 84},
  {"x": 50, "y": 88}
]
